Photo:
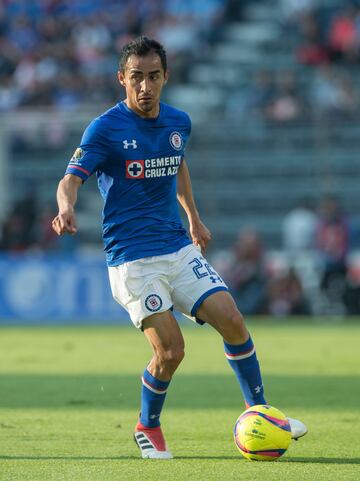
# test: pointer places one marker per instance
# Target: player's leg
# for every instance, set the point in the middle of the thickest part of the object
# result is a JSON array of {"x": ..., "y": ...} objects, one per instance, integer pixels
[
  {"x": 200, "y": 292},
  {"x": 141, "y": 288},
  {"x": 220, "y": 311},
  {"x": 164, "y": 335}
]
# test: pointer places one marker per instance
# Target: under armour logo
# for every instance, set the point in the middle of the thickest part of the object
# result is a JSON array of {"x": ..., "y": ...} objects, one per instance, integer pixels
[
  {"x": 128, "y": 144},
  {"x": 215, "y": 279}
]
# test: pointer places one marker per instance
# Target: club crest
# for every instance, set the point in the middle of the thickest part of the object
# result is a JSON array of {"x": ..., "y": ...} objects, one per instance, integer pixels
[
  {"x": 153, "y": 303},
  {"x": 176, "y": 141}
]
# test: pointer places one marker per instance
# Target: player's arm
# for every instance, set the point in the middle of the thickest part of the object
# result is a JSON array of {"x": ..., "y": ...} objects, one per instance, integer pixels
[
  {"x": 200, "y": 234},
  {"x": 65, "y": 221}
]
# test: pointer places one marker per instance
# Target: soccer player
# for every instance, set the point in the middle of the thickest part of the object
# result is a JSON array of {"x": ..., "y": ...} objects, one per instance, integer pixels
[{"x": 137, "y": 151}]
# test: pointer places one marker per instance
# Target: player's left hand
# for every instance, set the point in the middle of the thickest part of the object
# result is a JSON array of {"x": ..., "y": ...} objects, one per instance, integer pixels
[{"x": 200, "y": 235}]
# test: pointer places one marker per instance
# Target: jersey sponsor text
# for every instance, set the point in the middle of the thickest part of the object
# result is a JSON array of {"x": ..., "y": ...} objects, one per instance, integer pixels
[{"x": 150, "y": 168}]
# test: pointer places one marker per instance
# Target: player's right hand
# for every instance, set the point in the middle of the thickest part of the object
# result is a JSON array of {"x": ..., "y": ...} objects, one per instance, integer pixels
[{"x": 65, "y": 223}]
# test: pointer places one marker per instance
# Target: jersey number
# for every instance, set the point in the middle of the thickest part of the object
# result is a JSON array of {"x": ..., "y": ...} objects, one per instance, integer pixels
[{"x": 203, "y": 270}]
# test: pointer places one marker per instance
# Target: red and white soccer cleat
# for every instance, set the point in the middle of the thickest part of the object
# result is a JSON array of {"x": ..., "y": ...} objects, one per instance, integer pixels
[
  {"x": 151, "y": 442},
  {"x": 298, "y": 428}
]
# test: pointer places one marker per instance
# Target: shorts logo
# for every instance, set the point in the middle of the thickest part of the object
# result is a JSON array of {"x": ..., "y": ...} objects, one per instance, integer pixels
[
  {"x": 134, "y": 169},
  {"x": 153, "y": 302},
  {"x": 176, "y": 141},
  {"x": 77, "y": 155}
]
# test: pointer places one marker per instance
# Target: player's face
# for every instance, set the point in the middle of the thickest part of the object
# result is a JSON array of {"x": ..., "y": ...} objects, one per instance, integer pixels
[{"x": 143, "y": 79}]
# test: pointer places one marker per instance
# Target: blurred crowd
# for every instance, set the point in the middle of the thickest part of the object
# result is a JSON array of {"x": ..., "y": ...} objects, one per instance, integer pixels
[
  {"x": 62, "y": 53},
  {"x": 279, "y": 98},
  {"x": 329, "y": 40},
  {"x": 326, "y": 39},
  {"x": 328, "y": 33},
  {"x": 27, "y": 227},
  {"x": 313, "y": 273}
]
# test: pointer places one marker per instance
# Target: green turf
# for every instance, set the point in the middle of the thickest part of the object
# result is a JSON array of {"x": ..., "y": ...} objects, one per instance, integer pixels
[{"x": 69, "y": 399}]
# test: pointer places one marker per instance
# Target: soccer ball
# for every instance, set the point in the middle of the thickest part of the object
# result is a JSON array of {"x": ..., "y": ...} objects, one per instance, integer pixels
[{"x": 262, "y": 433}]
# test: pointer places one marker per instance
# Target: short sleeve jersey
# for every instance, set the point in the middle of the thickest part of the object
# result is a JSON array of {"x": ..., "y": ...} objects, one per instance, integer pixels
[{"x": 136, "y": 161}]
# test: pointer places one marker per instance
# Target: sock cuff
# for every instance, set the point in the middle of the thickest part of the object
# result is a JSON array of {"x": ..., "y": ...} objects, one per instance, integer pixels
[
  {"x": 240, "y": 351},
  {"x": 153, "y": 384}
]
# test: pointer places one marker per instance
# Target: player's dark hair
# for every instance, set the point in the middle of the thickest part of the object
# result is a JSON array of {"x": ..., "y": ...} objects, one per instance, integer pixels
[{"x": 140, "y": 47}]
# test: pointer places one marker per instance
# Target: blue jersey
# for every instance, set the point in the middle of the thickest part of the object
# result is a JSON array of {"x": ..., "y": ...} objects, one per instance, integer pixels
[{"x": 136, "y": 161}]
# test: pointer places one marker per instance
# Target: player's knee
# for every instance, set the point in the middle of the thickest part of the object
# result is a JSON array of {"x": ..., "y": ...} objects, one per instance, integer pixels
[
  {"x": 171, "y": 358},
  {"x": 236, "y": 331},
  {"x": 237, "y": 321},
  {"x": 174, "y": 356}
]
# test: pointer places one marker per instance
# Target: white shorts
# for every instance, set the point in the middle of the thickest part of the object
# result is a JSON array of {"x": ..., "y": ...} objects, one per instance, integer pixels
[{"x": 181, "y": 280}]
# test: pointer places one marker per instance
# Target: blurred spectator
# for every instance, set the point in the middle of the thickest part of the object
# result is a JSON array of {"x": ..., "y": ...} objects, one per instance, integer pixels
[
  {"x": 343, "y": 37},
  {"x": 352, "y": 294},
  {"x": 333, "y": 94},
  {"x": 180, "y": 37},
  {"x": 333, "y": 242},
  {"x": 312, "y": 53},
  {"x": 210, "y": 17},
  {"x": 26, "y": 227},
  {"x": 10, "y": 95},
  {"x": 18, "y": 229},
  {"x": 293, "y": 10},
  {"x": 14, "y": 237},
  {"x": 299, "y": 228},
  {"x": 260, "y": 284},
  {"x": 285, "y": 295},
  {"x": 312, "y": 49},
  {"x": 253, "y": 102},
  {"x": 47, "y": 238},
  {"x": 287, "y": 104},
  {"x": 246, "y": 274}
]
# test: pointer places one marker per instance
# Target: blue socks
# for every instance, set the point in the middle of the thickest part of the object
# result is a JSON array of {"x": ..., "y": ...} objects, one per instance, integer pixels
[
  {"x": 153, "y": 395},
  {"x": 242, "y": 358}
]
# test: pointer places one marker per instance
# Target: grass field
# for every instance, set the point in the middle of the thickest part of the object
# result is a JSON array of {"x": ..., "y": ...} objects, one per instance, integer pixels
[{"x": 69, "y": 399}]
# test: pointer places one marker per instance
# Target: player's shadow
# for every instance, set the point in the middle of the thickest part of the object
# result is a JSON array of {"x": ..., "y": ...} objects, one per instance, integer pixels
[
  {"x": 285, "y": 460},
  {"x": 68, "y": 458},
  {"x": 320, "y": 460},
  {"x": 103, "y": 458},
  {"x": 189, "y": 391}
]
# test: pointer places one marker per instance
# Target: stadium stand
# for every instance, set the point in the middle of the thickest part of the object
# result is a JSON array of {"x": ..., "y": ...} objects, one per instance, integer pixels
[{"x": 272, "y": 88}]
